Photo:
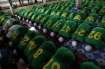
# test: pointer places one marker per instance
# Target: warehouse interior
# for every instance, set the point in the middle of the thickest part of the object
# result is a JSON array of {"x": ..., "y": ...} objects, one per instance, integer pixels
[{"x": 52, "y": 34}]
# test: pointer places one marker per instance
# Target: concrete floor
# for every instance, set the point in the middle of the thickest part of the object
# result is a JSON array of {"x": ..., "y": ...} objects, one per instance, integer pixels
[{"x": 28, "y": 6}]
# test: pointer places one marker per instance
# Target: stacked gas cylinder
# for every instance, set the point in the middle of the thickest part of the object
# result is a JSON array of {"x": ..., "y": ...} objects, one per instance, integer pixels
[{"x": 37, "y": 35}]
